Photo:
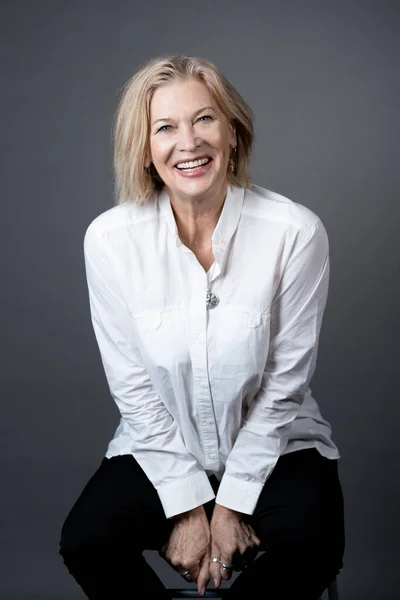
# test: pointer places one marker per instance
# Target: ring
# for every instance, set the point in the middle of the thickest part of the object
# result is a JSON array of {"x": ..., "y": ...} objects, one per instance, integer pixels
[
  {"x": 186, "y": 575},
  {"x": 225, "y": 567}
]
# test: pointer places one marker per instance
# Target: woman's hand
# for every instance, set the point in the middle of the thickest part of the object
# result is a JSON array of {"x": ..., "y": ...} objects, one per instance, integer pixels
[
  {"x": 188, "y": 547},
  {"x": 230, "y": 537}
]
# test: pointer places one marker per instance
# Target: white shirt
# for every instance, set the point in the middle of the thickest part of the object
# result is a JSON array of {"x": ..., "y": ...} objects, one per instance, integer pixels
[{"x": 223, "y": 391}]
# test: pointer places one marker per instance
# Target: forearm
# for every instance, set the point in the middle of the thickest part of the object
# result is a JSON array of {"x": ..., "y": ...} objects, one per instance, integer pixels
[
  {"x": 157, "y": 443},
  {"x": 296, "y": 318}
]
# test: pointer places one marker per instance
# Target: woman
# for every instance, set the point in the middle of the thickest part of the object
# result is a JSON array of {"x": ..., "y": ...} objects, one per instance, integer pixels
[{"x": 206, "y": 296}]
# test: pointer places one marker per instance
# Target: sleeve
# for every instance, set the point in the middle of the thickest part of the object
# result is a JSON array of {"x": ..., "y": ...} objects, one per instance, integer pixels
[
  {"x": 180, "y": 481},
  {"x": 296, "y": 317}
]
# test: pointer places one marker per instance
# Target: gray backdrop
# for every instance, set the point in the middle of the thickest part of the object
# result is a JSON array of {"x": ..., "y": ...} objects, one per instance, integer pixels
[{"x": 322, "y": 78}]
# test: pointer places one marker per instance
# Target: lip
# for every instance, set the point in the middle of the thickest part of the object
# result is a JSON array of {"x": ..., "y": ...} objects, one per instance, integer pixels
[
  {"x": 197, "y": 172},
  {"x": 192, "y": 159}
]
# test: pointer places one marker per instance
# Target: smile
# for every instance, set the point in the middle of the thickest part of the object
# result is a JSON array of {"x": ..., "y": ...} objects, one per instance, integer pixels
[{"x": 193, "y": 164}]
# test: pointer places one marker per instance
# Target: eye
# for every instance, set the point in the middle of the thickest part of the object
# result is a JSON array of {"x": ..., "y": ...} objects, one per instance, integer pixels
[
  {"x": 165, "y": 128},
  {"x": 206, "y": 118}
]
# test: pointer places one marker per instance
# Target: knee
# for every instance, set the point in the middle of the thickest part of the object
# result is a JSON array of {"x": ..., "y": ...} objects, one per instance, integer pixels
[
  {"x": 305, "y": 548},
  {"x": 302, "y": 536},
  {"x": 312, "y": 560},
  {"x": 79, "y": 542},
  {"x": 72, "y": 542}
]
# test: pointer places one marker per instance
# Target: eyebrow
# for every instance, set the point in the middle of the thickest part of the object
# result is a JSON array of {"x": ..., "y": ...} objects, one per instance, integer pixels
[{"x": 195, "y": 114}]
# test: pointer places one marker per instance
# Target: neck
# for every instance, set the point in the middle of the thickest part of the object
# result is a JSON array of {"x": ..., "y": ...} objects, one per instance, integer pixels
[{"x": 196, "y": 218}]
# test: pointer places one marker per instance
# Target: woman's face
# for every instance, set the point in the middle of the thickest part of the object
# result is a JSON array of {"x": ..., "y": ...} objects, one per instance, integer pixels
[{"x": 190, "y": 139}]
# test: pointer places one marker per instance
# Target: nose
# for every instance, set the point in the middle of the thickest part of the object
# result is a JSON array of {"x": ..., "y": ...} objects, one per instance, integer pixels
[{"x": 188, "y": 141}]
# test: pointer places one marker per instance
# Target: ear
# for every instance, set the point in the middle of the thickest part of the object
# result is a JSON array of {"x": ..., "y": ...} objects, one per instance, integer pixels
[{"x": 232, "y": 137}]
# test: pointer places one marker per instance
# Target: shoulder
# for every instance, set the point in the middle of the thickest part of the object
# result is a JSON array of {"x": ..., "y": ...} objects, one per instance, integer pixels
[
  {"x": 123, "y": 216},
  {"x": 264, "y": 204}
]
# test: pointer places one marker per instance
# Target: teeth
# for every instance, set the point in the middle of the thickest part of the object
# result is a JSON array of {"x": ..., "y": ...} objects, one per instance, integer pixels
[{"x": 193, "y": 163}]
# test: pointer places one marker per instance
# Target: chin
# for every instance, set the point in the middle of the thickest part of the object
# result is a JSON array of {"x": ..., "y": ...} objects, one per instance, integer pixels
[{"x": 196, "y": 188}]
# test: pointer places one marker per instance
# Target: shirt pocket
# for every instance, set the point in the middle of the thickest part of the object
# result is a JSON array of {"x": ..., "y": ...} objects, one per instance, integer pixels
[
  {"x": 251, "y": 319},
  {"x": 241, "y": 340},
  {"x": 161, "y": 335},
  {"x": 148, "y": 321}
]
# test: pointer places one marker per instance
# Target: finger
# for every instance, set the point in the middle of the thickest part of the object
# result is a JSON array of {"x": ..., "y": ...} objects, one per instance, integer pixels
[
  {"x": 215, "y": 568},
  {"x": 255, "y": 538},
  {"x": 226, "y": 565},
  {"x": 215, "y": 572},
  {"x": 182, "y": 566},
  {"x": 194, "y": 572},
  {"x": 226, "y": 573},
  {"x": 191, "y": 566},
  {"x": 246, "y": 533},
  {"x": 204, "y": 576},
  {"x": 242, "y": 547}
]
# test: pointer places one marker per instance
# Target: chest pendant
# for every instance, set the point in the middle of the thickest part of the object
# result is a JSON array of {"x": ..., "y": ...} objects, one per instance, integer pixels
[{"x": 212, "y": 300}]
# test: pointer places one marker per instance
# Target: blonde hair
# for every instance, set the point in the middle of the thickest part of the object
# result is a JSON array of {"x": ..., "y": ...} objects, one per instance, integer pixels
[{"x": 135, "y": 183}]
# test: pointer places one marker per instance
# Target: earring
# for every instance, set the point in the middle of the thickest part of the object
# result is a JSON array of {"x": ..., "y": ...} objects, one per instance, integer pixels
[{"x": 232, "y": 164}]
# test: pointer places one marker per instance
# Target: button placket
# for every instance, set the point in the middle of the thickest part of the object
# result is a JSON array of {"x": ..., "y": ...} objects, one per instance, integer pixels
[{"x": 202, "y": 392}]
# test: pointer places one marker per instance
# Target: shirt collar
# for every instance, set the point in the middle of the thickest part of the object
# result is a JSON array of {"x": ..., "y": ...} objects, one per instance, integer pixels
[{"x": 227, "y": 222}]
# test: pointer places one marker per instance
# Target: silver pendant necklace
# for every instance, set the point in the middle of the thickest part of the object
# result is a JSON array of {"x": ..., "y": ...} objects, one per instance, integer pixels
[{"x": 212, "y": 299}]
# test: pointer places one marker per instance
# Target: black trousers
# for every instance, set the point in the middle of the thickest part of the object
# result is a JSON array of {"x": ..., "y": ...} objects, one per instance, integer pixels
[{"x": 299, "y": 519}]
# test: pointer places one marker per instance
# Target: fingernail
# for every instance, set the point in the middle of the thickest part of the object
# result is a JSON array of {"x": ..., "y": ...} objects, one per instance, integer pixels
[{"x": 215, "y": 583}]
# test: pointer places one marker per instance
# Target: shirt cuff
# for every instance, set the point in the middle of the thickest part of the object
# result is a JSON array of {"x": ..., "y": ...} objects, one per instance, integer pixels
[
  {"x": 238, "y": 494},
  {"x": 187, "y": 493}
]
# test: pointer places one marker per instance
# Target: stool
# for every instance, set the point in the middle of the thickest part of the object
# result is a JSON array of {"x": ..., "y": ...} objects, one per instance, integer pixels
[{"x": 224, "y": 593}]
